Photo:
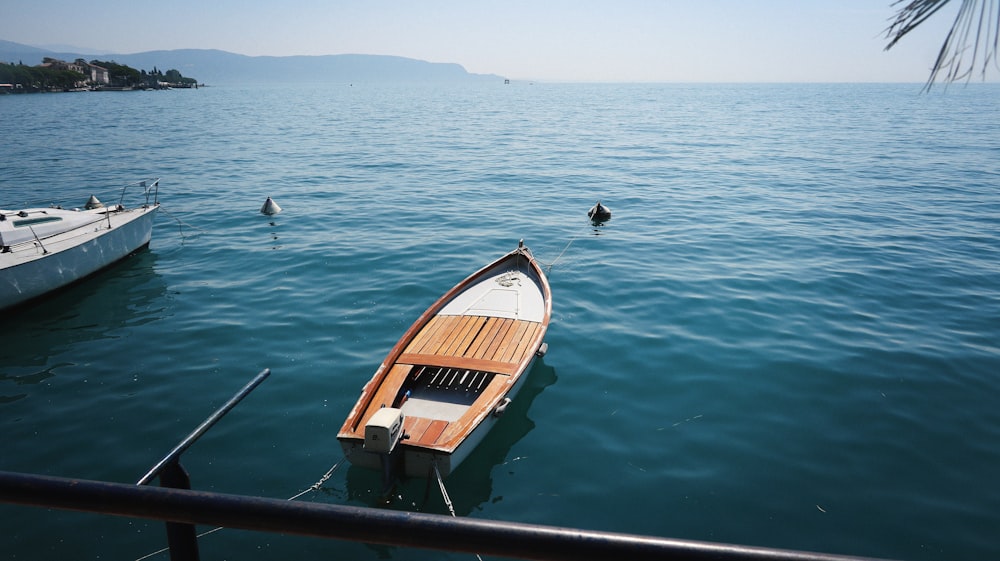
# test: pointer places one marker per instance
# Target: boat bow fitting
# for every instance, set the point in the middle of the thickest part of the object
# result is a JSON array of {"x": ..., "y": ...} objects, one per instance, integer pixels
[{"x": 500, "y": 409}]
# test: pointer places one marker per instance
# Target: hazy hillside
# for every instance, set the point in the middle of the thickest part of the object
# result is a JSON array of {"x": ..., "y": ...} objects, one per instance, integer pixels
[
  {"x": 16, "y": 52},
  {"x": 220, "y": 67}
]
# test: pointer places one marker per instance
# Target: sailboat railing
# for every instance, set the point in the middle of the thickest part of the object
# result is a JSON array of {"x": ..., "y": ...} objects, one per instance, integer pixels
[{"x": 150, "y": 188}]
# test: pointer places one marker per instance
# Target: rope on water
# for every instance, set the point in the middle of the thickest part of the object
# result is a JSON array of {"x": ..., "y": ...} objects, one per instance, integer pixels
[
  {"x": 548, "y": 268},
  {"x": 314, "y": 487},
  {"x": 181, "y": 223},
  {"x": 444, "y": 494}
]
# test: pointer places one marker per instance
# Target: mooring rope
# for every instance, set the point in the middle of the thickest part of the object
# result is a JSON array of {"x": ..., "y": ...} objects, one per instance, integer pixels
[
  {"x": 447, "y": 499},
  {"x": 444, "y": 492},
  {"x": 548, "y": 268},
  {"x": 314, "y": 487},
  {"x": 181, "y": 224}
]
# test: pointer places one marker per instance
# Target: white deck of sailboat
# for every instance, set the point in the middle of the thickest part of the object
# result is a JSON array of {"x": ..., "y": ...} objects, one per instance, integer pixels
[{"x": 34, "y": 233}]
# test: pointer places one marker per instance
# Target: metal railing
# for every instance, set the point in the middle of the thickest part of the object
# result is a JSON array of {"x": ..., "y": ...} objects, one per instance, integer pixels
[
  {"x": 370, "y": 525},
  {"x": 181, "y": 508},
  {"x": 153, "y": 189}
]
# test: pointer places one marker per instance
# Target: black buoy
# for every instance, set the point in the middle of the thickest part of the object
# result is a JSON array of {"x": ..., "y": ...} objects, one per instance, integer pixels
[{"x": 599, "y": 213}]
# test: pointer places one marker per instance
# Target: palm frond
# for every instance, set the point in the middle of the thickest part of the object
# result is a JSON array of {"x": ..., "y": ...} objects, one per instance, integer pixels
[{"x": 972, "y": 41}]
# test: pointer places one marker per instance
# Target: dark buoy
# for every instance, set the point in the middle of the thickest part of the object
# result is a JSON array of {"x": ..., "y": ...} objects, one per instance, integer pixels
[
  {"x": 599, "y": 213},
  {"x": 270, "y": 207}
]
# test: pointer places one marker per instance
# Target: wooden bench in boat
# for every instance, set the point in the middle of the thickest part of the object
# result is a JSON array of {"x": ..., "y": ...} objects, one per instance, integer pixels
[
  {"x": 473, "y": 337},
  {"x": 491, "y": 346}
]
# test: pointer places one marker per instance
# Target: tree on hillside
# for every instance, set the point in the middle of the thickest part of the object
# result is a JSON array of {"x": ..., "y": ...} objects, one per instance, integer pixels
[
  {"x": 978, "y": 20},
  {"x": 174, "y": 77},
  {"x": 39, "y": 78}
]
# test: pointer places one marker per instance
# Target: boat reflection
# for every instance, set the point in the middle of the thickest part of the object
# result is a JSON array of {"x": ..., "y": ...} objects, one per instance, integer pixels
[
  {"x": 91, "y": 311},
  {"x": 471, "y": 485}
]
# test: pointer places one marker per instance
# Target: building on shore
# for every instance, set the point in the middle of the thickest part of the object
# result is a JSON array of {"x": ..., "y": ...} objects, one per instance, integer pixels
[{"x": 96, "y": 75}]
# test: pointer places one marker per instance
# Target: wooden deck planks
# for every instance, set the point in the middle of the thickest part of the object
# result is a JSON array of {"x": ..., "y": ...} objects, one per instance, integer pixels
[
  {"x": 415, "y": 427},
  {"x": 480, "y": 338},
  {"x": 464, "y": 334},
  {"x": 441, "y": 335},
  {"x": 508, "y": 350},
  {"x": 489, "y": 333},
  {"x": 386, "y": 393},
  {"x": 523, "y": 345},
  {"x": 479, "y": 343},
  {"x": 498, "y": 339},
  {"x": 428, "y": 331},
  {"x": 421, "y": 431},
  {"x": 433, "y": 432}
]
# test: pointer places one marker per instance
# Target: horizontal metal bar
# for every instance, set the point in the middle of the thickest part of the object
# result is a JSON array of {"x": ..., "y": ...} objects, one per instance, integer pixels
[
  {"x": 204, "y": 426},
  {"x": 370, "y": 525}
]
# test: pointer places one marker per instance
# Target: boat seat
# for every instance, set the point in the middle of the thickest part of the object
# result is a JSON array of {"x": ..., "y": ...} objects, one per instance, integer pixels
[
  {"x": 461, "y": 362},
  {"x": 451, "y": 378}
]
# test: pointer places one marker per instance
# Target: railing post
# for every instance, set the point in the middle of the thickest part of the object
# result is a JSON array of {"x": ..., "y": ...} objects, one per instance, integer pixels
[
  {"x": 203, "y": 427},
  {"x": 181, "y": 537}
]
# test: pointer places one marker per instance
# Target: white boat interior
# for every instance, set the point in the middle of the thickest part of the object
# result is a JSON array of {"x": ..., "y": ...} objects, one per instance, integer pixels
[
  {"x": 505, "y": 294},
  {"x": 444, "y": 393}
]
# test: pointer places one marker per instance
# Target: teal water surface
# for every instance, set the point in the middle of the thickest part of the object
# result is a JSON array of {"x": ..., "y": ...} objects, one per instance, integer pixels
[{"x": 786, "y": 336}]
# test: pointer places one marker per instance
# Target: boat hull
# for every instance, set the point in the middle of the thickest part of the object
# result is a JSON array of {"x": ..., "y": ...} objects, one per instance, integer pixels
[
  {"x": 36, "y": 269},
  {"x": 450, "y": 377}
]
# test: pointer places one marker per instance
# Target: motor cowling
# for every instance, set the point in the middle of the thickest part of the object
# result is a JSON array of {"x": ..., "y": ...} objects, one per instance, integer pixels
[{"x": 384, "y": 430}]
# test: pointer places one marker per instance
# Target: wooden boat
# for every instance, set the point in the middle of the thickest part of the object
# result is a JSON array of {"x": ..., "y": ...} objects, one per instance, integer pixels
[
  {"x": 450, "y": 377},
  {"x": 45, "y": 249}
]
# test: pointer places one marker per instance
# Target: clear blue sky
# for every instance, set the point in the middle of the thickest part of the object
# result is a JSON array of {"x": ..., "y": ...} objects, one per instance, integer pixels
[{"x": 550, "y": 40}]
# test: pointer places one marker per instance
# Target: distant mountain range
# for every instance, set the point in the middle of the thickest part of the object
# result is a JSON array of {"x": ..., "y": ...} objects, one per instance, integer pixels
[{"x": 215, "y": 67}]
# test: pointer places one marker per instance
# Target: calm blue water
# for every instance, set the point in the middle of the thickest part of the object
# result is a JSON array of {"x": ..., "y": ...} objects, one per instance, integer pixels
[{"x": 786, "y": 336}]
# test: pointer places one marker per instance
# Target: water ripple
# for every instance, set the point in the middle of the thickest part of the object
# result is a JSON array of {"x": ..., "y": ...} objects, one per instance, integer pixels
[{"x": 786, "y": 335}]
